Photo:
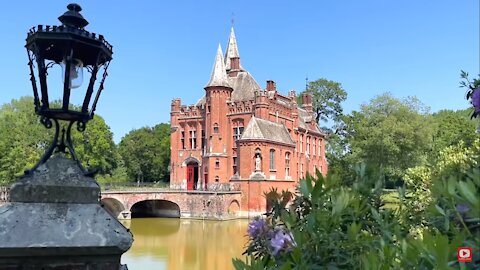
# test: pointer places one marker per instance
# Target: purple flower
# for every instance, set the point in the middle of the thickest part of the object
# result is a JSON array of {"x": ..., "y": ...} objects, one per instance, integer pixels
[
  {"x": 282, "y": 241},
  {"x": 463, "y": 208},
  {"x": 476, "y": 99},
  {"x": 256, "y": 227}
]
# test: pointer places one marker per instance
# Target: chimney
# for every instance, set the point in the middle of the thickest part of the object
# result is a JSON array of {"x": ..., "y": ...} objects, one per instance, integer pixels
[
  {"x": 307, "y": 102},
  {"x": 271, "y": 86}
]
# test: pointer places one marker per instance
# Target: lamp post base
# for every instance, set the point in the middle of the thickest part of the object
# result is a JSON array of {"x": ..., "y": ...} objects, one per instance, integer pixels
[{"x": 54, "y": 221}]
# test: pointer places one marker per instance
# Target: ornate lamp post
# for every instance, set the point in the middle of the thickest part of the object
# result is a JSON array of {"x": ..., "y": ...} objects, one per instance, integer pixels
[
  {"x": 54, "y": 219},
  {"x": 76, "y": 51}
]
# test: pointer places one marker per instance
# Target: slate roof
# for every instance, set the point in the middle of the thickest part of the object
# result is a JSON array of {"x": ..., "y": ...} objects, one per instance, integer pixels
[
  {"x": 261, "y": 129},
  {"x": 244, "y": 87},
  {"x": 232, "y": 49},
  {"x": 304, "y": 118},
  {"x": 219, "y": 75}
]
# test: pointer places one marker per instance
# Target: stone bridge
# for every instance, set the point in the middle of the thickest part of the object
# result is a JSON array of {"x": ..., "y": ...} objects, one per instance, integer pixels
[{"x": 219, "y": 205}]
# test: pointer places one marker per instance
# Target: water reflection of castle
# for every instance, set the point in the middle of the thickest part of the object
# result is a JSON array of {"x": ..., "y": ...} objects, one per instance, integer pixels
[
  {"x": 185, "y": 243},
  {"x": 239, "y": 134}
]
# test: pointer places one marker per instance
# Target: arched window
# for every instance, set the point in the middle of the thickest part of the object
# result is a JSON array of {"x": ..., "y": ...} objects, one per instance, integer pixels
[
  {"x": 217, "y": 179},
  {"x": 215, "y": 128},
  {"x": 287, "y": 164},
  {"x": 258, "y": 160},
  {"x": 217, "y": 163},
  {"x": 272, "y": 160}
]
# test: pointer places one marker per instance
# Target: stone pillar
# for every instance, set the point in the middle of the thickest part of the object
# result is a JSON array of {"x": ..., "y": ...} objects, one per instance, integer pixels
[{"x": 54, "y": 221}]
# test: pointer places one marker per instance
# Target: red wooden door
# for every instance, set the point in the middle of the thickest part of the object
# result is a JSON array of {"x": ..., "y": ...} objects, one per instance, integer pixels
[{"x": 190, "y": 176}]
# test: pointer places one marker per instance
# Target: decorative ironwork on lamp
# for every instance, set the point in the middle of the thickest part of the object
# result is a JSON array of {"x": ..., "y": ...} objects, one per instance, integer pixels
[{"x": 75, "y": 50}]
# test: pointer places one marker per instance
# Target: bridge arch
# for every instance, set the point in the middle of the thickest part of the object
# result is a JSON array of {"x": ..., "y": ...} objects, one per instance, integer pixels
[
  {"x": 155, "y": 208},
  {"x": 113, "y": 206},
  {"x": 234, "y": 208}
]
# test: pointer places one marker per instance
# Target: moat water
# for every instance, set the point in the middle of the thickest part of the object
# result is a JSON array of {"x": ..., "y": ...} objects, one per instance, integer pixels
[{"x": 174, "y": 244}]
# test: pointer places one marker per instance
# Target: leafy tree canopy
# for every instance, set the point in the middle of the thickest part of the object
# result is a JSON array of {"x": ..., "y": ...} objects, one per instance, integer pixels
[
  {"x": 452, "y": 127},
  {"x": 23, "y": 140},
  {"x": 327, "y": 97},
  {"x": 390, "y": 133},
  {"x": 146, "y": 153}
]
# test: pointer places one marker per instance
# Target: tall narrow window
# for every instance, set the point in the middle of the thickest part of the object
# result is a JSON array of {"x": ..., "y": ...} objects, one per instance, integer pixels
[
  {"x": 234, "y": 165},
  {"x": 287, "y": 164},
  {"x": 217, "y": 163},
  {"x": 272, "y": 160},
  {"x": 183, "y": 139},
  {"x": 319, "y": 147},
  {"x": 307, "y": 150},
  {"x": 204, "y": 140},
  {"x": 301, "y": 170},
  {"x": 314, "y": 148},
  {"x": 193, "y": 139},
  {"x": 301, "y": 143},
  {"x": 215, "y": 128}
]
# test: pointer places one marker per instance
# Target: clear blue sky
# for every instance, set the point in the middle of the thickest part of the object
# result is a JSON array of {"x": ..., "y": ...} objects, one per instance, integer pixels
[{"x": 165, "y": 49}]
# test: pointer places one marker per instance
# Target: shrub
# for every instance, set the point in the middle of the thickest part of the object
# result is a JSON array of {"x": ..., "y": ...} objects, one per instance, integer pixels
[{"x": 332, "y": 226}]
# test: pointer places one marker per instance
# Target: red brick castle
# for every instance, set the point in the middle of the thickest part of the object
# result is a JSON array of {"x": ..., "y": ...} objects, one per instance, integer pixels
[{"x": 240, "y": 135}]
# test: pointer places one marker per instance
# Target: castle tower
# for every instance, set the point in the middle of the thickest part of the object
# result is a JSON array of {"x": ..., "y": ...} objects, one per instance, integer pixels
[
  {"x": 232, "y": 57},
  {"x": 217, "y": 131}
]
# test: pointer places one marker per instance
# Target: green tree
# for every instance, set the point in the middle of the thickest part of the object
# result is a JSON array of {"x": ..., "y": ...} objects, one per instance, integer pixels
[
  {"x": 452, "y": 127},
  {"x": 327, "y": 98},
  {"x": 146, "y": 153},
  {"x": 391, "y": 134},
  {"x": 23, "y": 140}
]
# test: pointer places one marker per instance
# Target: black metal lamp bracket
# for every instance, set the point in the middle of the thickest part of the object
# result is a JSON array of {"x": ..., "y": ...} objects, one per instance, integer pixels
[{"x": 62, "y": 141}]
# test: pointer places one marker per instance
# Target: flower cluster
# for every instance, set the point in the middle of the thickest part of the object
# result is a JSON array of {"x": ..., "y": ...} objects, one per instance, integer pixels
[
  {"x": 256, "y": 228},
  {"x": 282, "y": 241},
  {"x": 476, "y": 100},
  {"x": 268, "y": 239}
]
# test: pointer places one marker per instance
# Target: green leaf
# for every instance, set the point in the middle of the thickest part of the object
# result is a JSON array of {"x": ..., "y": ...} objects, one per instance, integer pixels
[
  {"x": 440, "y": 210},
  {"x": 468, "y": 191}
]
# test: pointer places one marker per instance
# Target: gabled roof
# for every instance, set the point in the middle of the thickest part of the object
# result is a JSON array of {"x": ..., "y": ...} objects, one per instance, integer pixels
[
  {"x": 219, "y": 75},
  {"x": 261, "y": 129}
]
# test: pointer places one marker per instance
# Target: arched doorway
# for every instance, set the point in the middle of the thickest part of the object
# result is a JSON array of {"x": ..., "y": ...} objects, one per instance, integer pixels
[{"x": 192, "y": 165}]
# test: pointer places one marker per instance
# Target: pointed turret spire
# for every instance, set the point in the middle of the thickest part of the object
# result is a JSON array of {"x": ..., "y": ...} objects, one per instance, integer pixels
[
  {"x": 232, "y": 51},
  {"x": 219, "y": 76}
]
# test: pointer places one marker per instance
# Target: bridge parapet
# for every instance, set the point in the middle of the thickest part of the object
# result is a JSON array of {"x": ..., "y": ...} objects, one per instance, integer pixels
[
  {"x": 4, "y": 195},
  {"x": 215, "y": 205}
]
